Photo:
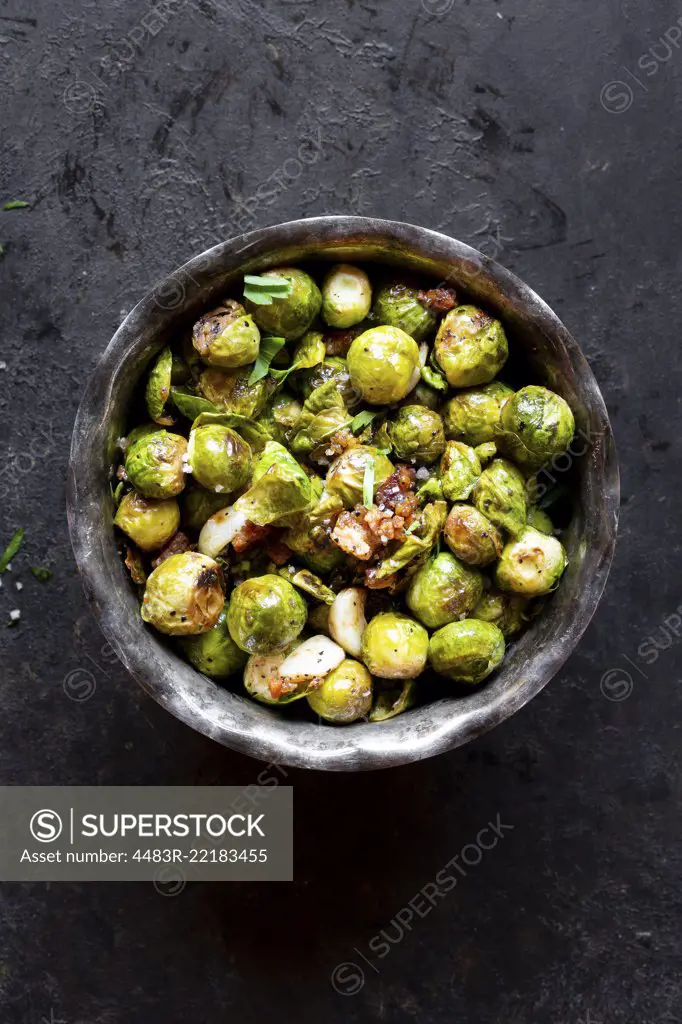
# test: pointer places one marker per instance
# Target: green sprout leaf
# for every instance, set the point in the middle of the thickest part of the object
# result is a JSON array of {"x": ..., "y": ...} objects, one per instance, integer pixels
[
  {"x": 262, "y": 290},
  {"x": 269, "y": 347},
  {"x": 41, "y": 574},
  {"x": 362, "y": 420},
  {"x": 368, "y": 484},
  {"x": 11, "y": 549},
  {"x": 15, "y": 204}
]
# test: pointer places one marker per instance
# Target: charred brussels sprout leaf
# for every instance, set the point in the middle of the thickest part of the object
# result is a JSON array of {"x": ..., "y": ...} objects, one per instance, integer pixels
[
  {"x": 230, "y": 391},
  {"x": 324, "y": 413},
  {"x": 391, "y": 702}
]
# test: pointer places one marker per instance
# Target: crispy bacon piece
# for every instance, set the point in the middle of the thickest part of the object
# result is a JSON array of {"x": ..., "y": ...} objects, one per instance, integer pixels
[
  {"x": 440, "y": 300},
  {"x": 178, "y": 543},
  {"x": 337, "y": 343},
  {"x": 135, "y": 565},
  {"x": 372, "y": 583},
  {"x": 278, "y": 686},
  {"x": 249, "y": 535},
  {"x": 353, "y": 535},
  {"x": 397, "y": 494}
]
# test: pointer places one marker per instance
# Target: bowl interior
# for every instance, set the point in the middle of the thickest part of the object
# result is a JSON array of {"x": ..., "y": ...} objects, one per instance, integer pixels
[{"x": 539, "y": 345}]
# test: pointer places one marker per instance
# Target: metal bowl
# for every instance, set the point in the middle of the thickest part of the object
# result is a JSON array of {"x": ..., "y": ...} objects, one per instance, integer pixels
[{"x": 537, "y": 338}]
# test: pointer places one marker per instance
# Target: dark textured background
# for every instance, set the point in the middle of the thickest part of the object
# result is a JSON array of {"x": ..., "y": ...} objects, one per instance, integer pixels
[{"x": 485, "y": 122}]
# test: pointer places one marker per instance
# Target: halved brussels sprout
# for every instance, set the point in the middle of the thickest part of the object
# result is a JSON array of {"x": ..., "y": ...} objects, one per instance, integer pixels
[
  {"x": 536, "y": 425},
  {"x": 279, "y": 487},
  {"x": 466, "y": 651},
  {"x": 154, "y": 464},
  {"x": 473, "y": 415},
  {"x": 397, "y": 305},
  {"x": 215, "y": 653},
  {"x": 148, "y": 522},
  {"x": 198, "y": 505},
  {"x": 417, "y": 434},
  {"x": 219, "y": 459},
  {"x": 346, "y": 296},
  {"x": 391, "y": 702},
  {"x": 394, "y": 646},
  {"x": 184, "y": 595},
  {"x": 532, "y": 564},
  {"x": 471, "y": 536},
  {"x": 263, "y": 682},
  {"x": 460, "y": 469},
  {"x": 346, "y": 474},
  {"x": 265, "y": 614},
  {"x": 158, "y": 388},
  {"x": 443, "y": 590},
  {"x": 470, "y": 347},
  {"x": 227, "y": 336},
  {"x": 289, "y": 317},
  {"x": 384, "y": 365},
  {"x": 509, "y": 612},
  {"x": 500, "y": 494},
  {"x": 345, "y": 694},
  {"x": 230, "y": 390}
]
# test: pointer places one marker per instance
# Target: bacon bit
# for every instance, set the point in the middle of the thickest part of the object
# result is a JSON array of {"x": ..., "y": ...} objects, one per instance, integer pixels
[
  {"x": 178, "y": 544},
  {"x": 353, "y": 536},
  {"x": 337, "y": 343},
  {"x": 135, "y": 565},
  {"x": 397, "y": 494},
  {"x": 339, "y": 443},
  {"x": 440, "y": 300},
  {"x": 372, "y": 583},
  {"x": 385, "y": 526},
  {"x": 279, "y": 687},
  {"x": 277, "y": 551},
  {"x": 249, "y": 535}
]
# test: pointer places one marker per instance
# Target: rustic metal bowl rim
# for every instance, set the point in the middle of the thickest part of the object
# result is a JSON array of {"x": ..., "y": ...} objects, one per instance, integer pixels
[{"x": 239, "y": 723}]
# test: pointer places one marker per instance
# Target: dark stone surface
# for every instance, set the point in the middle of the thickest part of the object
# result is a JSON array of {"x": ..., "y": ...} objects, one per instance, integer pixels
[{"x": 489, "y": 128}]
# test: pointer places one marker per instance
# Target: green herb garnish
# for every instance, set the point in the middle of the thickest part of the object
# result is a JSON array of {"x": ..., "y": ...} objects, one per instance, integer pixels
[
  {"x": 41, "y": 574},
  {"x": 11, "y": 549},
  {"x": 362, "y": 420},
  {"x": 263, "y": 290},
  {"x": 15, "y": 204},
  {"x": 368, "y": 484},
  {"x": 269, "y": 347}
]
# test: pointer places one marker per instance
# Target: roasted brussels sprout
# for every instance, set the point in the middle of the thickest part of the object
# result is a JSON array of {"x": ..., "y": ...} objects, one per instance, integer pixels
[
  {"x": 470, "y": 347},
  {"x": 184, "y": 595},
  {"x": 198, "y": 505},
  {"x": 397, "y": 305},
  {"x": 230, "y": 391},
  {"x": 460, "y": 469},
  {"x": 393, "y": 701},
  {"x": 289, "y": 317},
  {"x": 394, "y": 646},
  {"x": 535, "y": 426},
  {"x": 331, "y": 369},
  {"x": 486, "y": 452},
  {"x": 227, "y": 336},
  {"x": 148, "y": 522},
  {"x": 539, "y": 520},
  {"x": 532, "y": 564},
  {"x": 384, "y": 365},
  {"x": 466, "y": 651},
  {"x": 218, "y": 457},
  {"x": 155, "y": 464},
  {"x": 473, "y": 415},
  {"x": 345, "y": 695},
  {"x": 471, "y": 536},
  {"x": 509, "y": 612},
  {"x": 500, "y": 494},
  {"x": 158, "y": 388},
  {"x": 265, "y": 615},
  {"x": 281, "y": 416},
  {"x": 346, "y": 296},
  {"x": 443, "y": 590},
  {"x": 347, "y": 473},
  {"x": 215, "y": 653},
  {"x": 423, "y": 394},
  {"x": 279, "y": 487},
  {"x": 417, "y": 434}
]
